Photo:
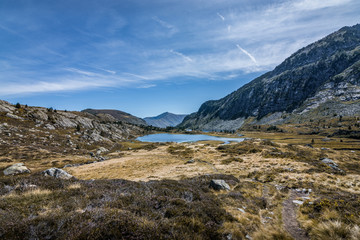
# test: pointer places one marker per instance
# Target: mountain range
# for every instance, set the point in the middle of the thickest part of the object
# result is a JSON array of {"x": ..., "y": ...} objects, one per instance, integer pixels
[
  {"x": 165, "y": 120},
  {"x": 319, "y": 80}
]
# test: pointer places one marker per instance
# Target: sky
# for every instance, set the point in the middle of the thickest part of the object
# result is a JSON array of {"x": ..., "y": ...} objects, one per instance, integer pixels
[{"x": 146, "y": 57}]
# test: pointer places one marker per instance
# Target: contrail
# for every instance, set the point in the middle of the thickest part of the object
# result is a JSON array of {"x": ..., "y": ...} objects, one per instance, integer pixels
[
  {"x": 247, "y": 53},
  {"x": 181, "y": 55},
  {"x": 221, "y": 16}
]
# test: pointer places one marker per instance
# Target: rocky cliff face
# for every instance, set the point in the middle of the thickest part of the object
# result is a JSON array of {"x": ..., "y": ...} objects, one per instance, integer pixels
[
  {"x": 165, "y": 120},
  {"x": 314, "y": 81},
  {"x": 116, "y": 115}
]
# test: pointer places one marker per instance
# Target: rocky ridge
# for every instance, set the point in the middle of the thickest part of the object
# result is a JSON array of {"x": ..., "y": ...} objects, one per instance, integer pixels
[
  {"x": 115, "y": 115},
  {"x": 41, "y": 131}
]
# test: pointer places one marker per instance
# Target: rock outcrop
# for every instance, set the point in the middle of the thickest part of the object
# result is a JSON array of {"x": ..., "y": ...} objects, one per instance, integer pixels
[
  {"x": 57, "y": 173},
  {"x": 17, "y": 168},
  {"x": 91, "y": 127},
  {"x": 219, "y": 184}
]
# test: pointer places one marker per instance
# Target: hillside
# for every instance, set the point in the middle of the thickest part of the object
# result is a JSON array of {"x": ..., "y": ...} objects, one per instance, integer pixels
[
  {"x": 319, "y": 80},
  {"x": 165, "y": 120},
  {"x": 34, "y": 133},
  {"x": 118, "y": 115}
]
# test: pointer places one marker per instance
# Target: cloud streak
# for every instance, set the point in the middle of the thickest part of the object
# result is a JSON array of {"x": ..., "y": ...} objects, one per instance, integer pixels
[
  {"x": 186, "y": 58},
  {"x": 247, "y": 53},
  {"x": 221, "y": 16}
]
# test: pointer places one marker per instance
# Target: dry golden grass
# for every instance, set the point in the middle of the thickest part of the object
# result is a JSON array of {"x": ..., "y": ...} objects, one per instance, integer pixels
[{"x": 259, "y": 166}]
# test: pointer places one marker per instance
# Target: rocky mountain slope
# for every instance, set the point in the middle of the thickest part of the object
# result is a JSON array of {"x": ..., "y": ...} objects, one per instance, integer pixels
[
  {"x": 320, "y": 80},
  {"x": 118, "y": 115},
  {"x": 49, "y": 130},
  {"x": 165, "y": 120}
]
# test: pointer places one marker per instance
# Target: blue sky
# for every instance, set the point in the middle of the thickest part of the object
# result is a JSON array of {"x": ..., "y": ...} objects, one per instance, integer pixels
[{"x": 146, "y": 57}]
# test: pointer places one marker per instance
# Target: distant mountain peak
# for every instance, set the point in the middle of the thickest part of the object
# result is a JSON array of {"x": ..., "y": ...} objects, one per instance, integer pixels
[{"x": 165, "y": 119}]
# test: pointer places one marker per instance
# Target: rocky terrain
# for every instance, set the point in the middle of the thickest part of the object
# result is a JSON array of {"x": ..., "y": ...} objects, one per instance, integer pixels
[
  {"x": 165, "y": 120},
  {"x": 117, "y": 115},
  {"x": 318, "y": 81},
  {"x": 33, "y": 134}
]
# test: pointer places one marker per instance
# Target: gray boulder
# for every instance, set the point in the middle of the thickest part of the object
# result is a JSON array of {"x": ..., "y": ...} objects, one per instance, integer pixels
[
  {"x": 6, "y": 107},
  {"x": 14, "y": 116},
  {"x": 101, "y": 150},
  {"x": 219, "y": 184},
  {"x": 331, "y": 164},
  {"x": 39, "y": 115},
  {"x": 17, "y": 168},
  {"x": 57, "y": 173}
]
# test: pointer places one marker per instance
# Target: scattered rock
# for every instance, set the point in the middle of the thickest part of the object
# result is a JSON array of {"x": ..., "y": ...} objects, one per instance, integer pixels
[
  {"x": 331, "y": 164},
  {"x": 14, "y": 116},
  {"x": 49, "y": 126},
  {"x": 219, "y": 184},
  {"x": 6, "y": 107},
  {"x": 101, "y": 150},
  {"x": 57, "y": 173},
  {"x": 190, "y": 161},
  {"x": 304, "y": 190},
  {"x": 241, "y": 210},
  {"x": 248, "y": 237},
  {"x": 39, "y": 115},
  {"x": 17, "y": 168},
  {"x": 298, "y": 202}
]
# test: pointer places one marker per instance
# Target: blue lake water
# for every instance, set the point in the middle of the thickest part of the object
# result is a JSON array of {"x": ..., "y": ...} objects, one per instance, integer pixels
[{"x": 180, "y": 138}]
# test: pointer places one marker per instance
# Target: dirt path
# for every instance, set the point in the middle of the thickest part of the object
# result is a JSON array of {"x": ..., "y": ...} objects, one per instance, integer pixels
[{"x": 291, "y": 225}]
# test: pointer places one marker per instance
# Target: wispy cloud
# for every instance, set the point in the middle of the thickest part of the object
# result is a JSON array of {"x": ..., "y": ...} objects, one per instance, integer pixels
[
  {"x": 42, "y": 86},
  {"x": 181, "y": 55},
  {"x": 147, "y": 86},
  {"x": 247, "y": 53},
  {"x": 81, "y": 72},
  {"x": 166, "y": 25},
  {"x": 221, "y": 16},
  {"x": 317, "y": 4}
]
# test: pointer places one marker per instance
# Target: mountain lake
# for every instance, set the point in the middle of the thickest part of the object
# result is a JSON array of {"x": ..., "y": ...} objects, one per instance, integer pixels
[{"x": 180, "y": 138}]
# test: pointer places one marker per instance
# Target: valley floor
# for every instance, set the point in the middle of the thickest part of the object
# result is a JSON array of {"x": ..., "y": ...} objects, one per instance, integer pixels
[{"x": 286, "y": 187}]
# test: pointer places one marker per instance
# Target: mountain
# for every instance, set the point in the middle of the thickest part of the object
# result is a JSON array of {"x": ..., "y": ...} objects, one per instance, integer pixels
[
  {"x": 316, "y": 81},
  {"x": 165, "y": 120},
  {"x": 118, "y": 115}
]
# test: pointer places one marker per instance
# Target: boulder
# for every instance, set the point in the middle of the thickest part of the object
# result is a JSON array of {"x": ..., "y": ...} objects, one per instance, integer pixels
[
  {"x": 57, "y": 173},
  {"x": 17, "y": 168},
  {"x": 39, "y": 115},
  {"x": 6, "y": 107},
  {"x": 219, "y": 184},
  {"x": 14, "y": 116},
  {"x": 101, "y": 150},
  {"x": 331, "y": 164},
  {"x": 49, "y": 126}
]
